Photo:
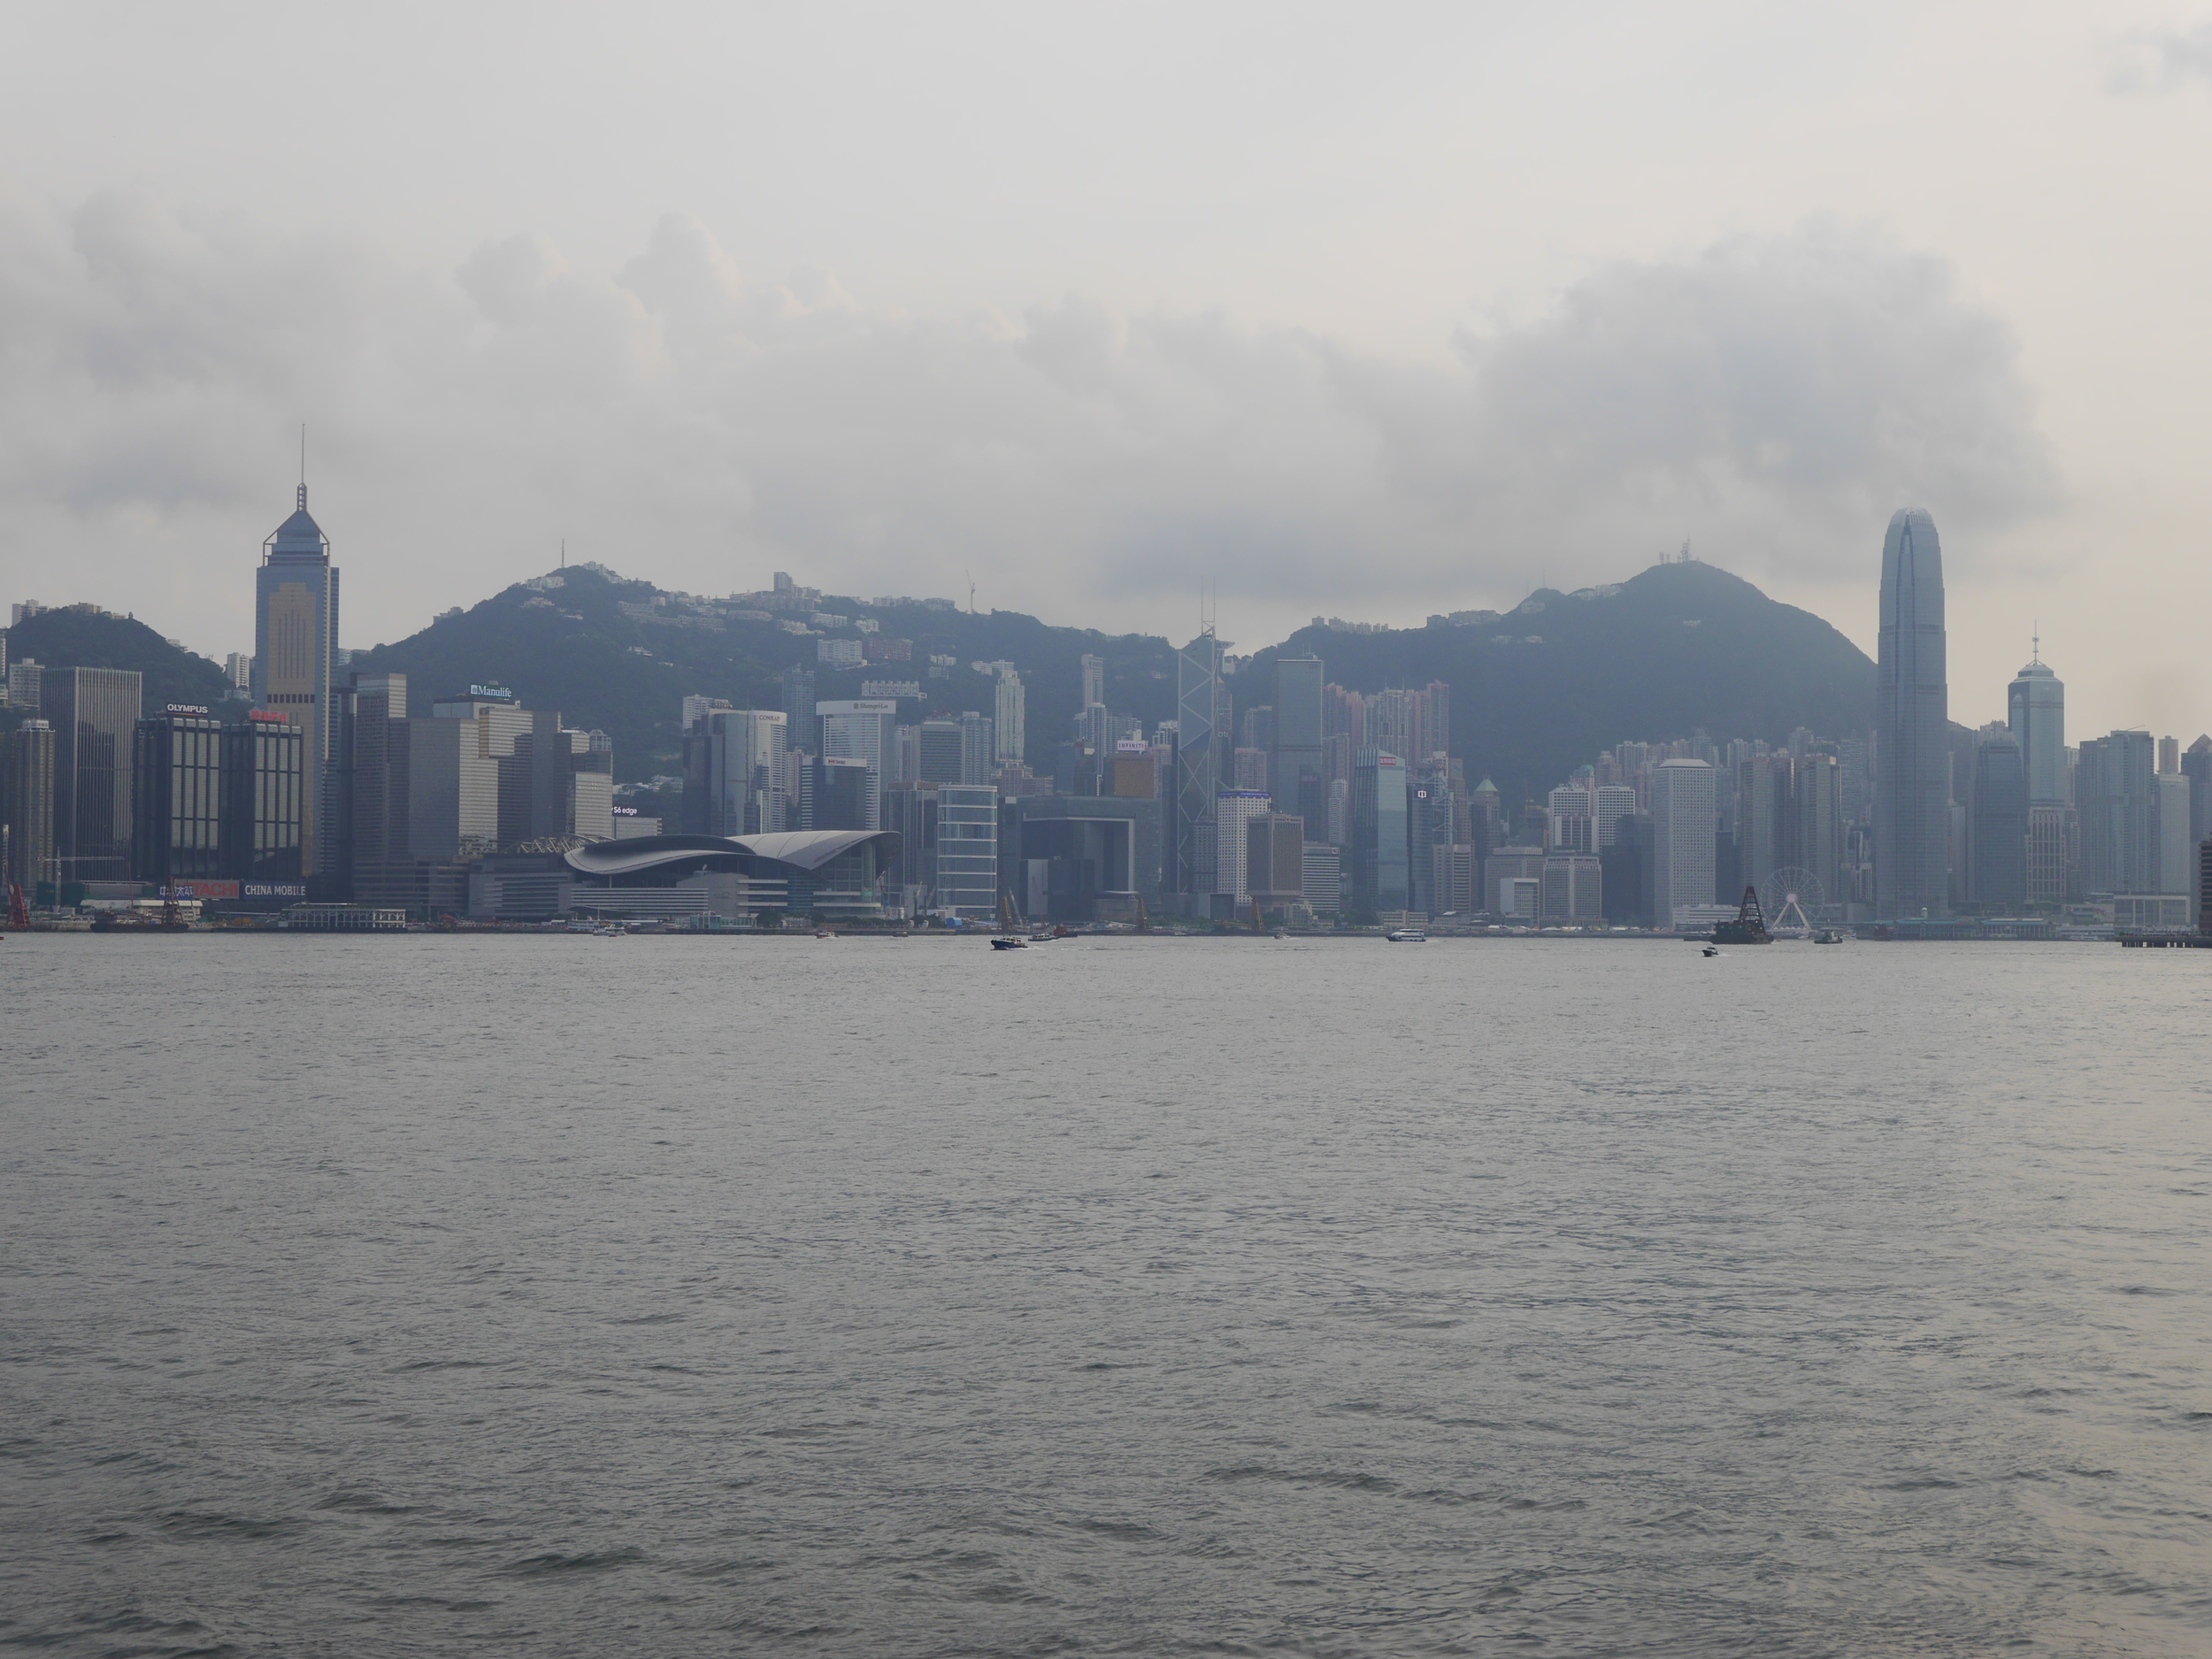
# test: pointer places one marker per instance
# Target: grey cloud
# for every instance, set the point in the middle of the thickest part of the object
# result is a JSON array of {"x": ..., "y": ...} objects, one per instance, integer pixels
[
  {"x": 1783, "y": 392},
  {"x": 2160, "y": 60},
  {"x": 691, "y": 421}
]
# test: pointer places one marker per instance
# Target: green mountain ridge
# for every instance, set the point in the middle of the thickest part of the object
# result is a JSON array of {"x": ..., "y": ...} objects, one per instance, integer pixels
[
  {"x": 1536, "y": 691},
  {"x": 1540, "y": 689},
  {"x": 574, "y": 647},
  {"x": 67, "y": 638}
]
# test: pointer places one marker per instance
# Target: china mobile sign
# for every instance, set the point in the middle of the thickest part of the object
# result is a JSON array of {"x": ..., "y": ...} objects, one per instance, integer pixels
[{"x": 236, "y": 890}]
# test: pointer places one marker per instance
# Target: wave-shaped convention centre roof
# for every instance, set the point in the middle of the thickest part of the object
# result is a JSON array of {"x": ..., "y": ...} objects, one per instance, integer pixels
[{"x": 804, "y": 850}]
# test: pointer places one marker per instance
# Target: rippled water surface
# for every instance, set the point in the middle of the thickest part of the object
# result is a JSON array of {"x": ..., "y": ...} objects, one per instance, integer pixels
[{"x": 678, "y": 1296}]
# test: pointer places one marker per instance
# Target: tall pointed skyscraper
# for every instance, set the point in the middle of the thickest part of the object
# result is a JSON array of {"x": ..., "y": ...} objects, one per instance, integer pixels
[
  {"x": 2035, "y": 705},
  {"x": 1197, "y": 779},
  {"x": 294, "y": 642},
  {"x": 1912, "y": 785}
]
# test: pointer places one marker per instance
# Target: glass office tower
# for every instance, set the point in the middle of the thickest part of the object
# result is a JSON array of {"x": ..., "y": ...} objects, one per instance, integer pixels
[
  {"x": 1912, "y": 789},
  {"x": 93, "y": 712},
  {"x": 294, "y": 643}
]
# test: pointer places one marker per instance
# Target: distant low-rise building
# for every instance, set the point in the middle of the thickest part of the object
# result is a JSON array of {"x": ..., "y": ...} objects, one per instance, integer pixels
[{"x": 2155, "y": 912}]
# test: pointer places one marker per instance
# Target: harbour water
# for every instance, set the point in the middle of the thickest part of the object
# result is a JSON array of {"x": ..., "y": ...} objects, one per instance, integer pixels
[{"x": 676, "y": 1297}]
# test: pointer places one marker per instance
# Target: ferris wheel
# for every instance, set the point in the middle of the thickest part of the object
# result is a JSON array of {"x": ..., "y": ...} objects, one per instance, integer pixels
[{"x": 1791, "y": 897}]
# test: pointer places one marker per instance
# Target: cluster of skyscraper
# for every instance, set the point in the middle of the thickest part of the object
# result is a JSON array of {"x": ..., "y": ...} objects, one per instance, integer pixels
[
  {"x": 2008, "y": 818},
  {"x": 1316, "y": 797},
  {"x": 97, "y": 796},
  {"x": 1312, "y": 797},
  {"x": 1915, "y": 821},
  {"x": 312, "y": 786}
]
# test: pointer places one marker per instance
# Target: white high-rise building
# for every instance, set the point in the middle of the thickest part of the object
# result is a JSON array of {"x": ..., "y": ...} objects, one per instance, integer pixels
[
  {"x": 1011, "y": 732},
  {"x": 866, "y": 729},
  {"x": 978, "y": 760},
  {"x": 1615, "y": 801},
  {"x": 1571, "y": 819},
  {"x": 746, "y": 749},
  {"x": 1233, "y": 810},
  {"x": 696, "y": 706},
  {"x": 1685, "y": 819},
  {"x": 1095, "y": 729},
  {"x": 1094, "y": 681}
]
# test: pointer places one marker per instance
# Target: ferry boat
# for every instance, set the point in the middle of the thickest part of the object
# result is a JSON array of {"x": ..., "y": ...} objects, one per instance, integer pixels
[{"x": 1407, "y": 936}]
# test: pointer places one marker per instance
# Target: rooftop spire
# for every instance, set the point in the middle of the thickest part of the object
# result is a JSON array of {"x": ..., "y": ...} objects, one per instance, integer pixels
[{"x": 302, "y": 506}]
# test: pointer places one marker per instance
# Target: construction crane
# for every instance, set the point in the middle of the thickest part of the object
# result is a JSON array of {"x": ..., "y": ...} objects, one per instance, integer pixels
[{"x": 18, "y": 911}]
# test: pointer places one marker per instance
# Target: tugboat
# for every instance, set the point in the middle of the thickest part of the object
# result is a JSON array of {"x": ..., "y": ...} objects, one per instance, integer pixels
[
  {"x": 1748, "y": 928},
  {"x": 1827, "y": 936},
  {"x": 1009, "y": 937}
]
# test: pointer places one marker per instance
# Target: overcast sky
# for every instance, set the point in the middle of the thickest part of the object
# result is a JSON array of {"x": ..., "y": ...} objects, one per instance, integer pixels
[{"x": 1370, "y": 311}]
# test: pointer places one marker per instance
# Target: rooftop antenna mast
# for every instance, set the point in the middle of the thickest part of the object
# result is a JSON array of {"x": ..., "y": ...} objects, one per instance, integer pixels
[
  {"x": 302, "y": 466},
  {"x": 2035, "y": 641}
]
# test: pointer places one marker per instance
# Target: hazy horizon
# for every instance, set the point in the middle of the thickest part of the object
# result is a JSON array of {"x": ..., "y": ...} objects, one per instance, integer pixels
[{"x": 1369, "y": 316}]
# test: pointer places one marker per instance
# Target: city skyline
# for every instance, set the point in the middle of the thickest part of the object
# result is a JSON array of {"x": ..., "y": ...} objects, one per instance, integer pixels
[
  {"x": 491, "y": 807},
  {"x": 1367, "y": 405}
]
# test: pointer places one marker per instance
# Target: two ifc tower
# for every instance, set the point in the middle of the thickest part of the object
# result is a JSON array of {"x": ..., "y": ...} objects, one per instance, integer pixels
[
  {"x": 1912, "y": 727},
  {"x": 1912, "y": 762}
]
